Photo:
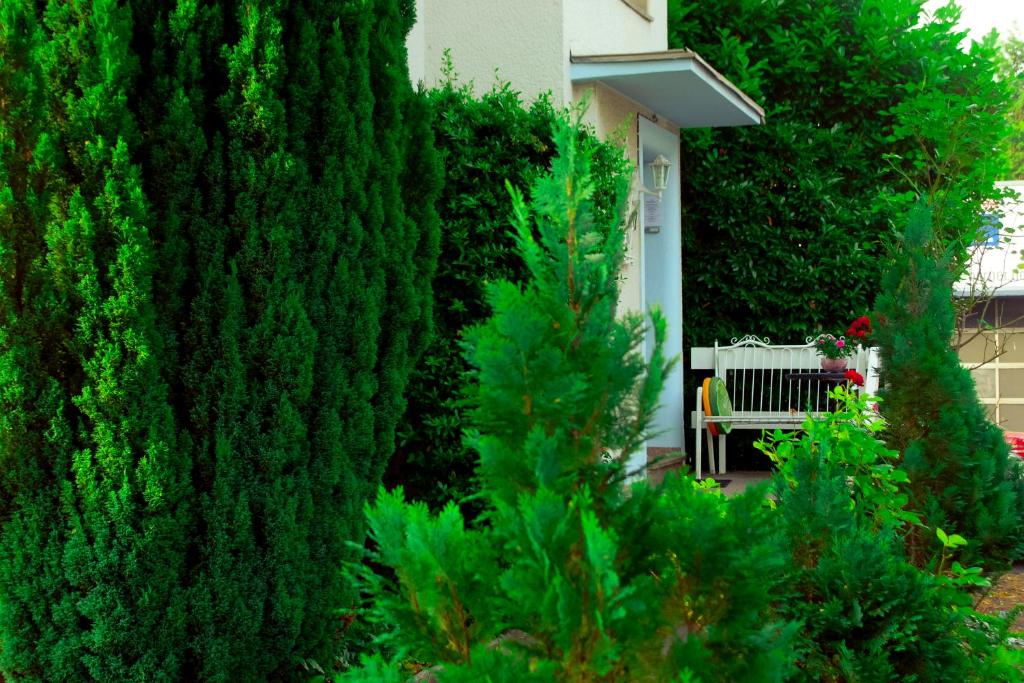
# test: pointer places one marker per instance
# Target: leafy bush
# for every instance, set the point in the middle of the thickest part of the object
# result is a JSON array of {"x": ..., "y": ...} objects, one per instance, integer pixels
[
  {"x": 847, "y": 438},
  {"x": 1012, "y": 71},
  {"x": 957, "y": 460},
  {"x": 485, "y": 142},
  {"x": 866, "y": 109},
  {"x": 569, "y": 576},
  {"x": 867, "y": 612},
  {"x": 572, "y": 577},
  {"x": 217, "y": 237}
]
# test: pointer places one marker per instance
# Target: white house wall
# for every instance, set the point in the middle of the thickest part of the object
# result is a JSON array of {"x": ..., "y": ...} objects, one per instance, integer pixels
[
  {"x": 488, "y": 42},
  {"x": 599, "y": 27},
  {"x": 416, "y": 45},
  {"x": 487, "y": 39}
]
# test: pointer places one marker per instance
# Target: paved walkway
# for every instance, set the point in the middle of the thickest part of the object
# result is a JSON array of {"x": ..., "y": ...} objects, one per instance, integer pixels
[
  {"x": 1005, "y": 594},
  {"x": 736, "y": 482},
  {"x": 739, "y": 481}
]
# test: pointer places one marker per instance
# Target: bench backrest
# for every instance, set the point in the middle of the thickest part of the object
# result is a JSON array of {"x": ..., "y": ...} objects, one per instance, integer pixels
[{"x": 754, "y": 371}]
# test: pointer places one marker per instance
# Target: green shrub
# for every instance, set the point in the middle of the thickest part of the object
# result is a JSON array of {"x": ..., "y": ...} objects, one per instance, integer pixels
[
  {"x": 485, "y": 142},
  {"x": 1012, "y": 71},
  {"x": 848, "y": 439},
  {"x": 216, "y": 242},
  {"x": 957, "y": 460},
  {"x": 867, "y": 612},
  {"x": 866, "y": 110},
  {"x": 572, "y": 577}
]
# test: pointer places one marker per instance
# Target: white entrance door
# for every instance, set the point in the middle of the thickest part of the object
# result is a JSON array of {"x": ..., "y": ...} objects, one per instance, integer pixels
[{"x": 661, "y": 268}]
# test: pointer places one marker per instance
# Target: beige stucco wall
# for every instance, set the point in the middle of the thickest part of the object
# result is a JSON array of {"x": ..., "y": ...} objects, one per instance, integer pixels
[
  {"x": 594, "y": 27},
  {"x": 609, "y": 114},
  {"x": 522, "y": 42}
]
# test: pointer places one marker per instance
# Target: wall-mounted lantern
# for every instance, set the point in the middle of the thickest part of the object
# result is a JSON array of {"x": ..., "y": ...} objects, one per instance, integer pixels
[
  {"x": 659, "y": 173},
  {"x": 652, "y": 205}
]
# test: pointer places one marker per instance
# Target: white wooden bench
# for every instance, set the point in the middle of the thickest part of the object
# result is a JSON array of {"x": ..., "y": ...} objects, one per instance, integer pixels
[{"x": 756, "y": 373}]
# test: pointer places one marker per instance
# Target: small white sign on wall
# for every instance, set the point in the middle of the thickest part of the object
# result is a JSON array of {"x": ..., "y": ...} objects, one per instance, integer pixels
[{"x": 652, "y": 213}]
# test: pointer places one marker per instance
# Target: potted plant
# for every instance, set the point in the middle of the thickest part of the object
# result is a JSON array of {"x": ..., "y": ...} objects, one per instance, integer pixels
[{"x": 834, "y": 352}]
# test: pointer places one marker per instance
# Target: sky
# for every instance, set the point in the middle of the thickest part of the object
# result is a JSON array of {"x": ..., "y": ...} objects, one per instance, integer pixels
[{"x": 981, "y": 16}]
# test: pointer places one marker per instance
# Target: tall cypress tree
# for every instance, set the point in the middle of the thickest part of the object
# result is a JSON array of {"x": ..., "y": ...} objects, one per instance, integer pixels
[
  {"x": 957, "y": 459},
  {"x": 216, "y": 240}
]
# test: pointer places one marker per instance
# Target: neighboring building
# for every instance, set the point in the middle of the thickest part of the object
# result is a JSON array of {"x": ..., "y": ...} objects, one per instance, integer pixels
[
  {"x": 614, "y": 53},
  {"x": 992, "y": 339}
]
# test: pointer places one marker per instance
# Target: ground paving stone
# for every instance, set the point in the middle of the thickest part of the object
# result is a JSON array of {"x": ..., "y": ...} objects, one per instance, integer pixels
[{"x": 1006, "y": 593}]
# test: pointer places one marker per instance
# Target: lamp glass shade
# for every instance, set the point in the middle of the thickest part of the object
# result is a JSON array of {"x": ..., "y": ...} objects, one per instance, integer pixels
[{"x": 659, "y": 172}]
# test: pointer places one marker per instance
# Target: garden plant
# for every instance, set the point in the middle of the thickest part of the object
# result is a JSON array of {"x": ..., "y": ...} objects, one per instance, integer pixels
[
  {"x": 1012, "y": 71},
  {"x": 868, "y": 106},
  {"x": 571, "y": 574},
  {"x": 866, "y": 611},
  {"x": 217, "y": 237},
  {"x": 833, "y": 348},
  {"x": 958, "y": 461},
  {"x": 484, "y": 141}
]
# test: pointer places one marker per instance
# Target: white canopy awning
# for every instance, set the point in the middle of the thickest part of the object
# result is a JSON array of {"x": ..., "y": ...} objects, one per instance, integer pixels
[{"x": 676, "y": 84}]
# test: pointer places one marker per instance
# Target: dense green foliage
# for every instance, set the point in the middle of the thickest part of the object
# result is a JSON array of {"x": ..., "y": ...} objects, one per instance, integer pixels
[
  {"x": 1012, "y": 71},
  {"x": 485, "y": 142},
  {"x": 866, "y": 110},
  {"x": 572, "y": 577},
  {"x": 866, "y": 612},
  {"x": 216, "y": 243},
  {"x": 957, "y": 460}
]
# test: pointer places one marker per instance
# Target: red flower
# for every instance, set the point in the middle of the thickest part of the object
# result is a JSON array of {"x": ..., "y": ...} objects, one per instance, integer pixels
[
  {"x": 859, "y": 328},
  {"x": 855, "y": 377}
]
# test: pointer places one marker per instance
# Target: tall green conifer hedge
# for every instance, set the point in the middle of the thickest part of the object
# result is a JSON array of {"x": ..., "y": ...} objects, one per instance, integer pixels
[{"x": 216, "y": 241}]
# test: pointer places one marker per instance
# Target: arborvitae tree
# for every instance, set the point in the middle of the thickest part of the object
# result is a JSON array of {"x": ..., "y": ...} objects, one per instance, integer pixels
[
  {"x": 572, "y": 577},
  {"x": 216, "y": 243},
  {"x": 956, "y": 458}
]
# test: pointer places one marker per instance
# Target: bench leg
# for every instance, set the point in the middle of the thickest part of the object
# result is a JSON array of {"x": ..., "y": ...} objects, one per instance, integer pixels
[
  {"x": 698, "y": 455},
  {"x": 721, "y": 453},
  {"x": 711, "y": 452}
]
